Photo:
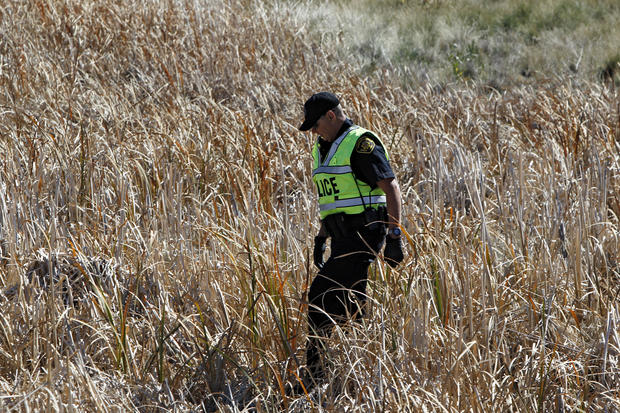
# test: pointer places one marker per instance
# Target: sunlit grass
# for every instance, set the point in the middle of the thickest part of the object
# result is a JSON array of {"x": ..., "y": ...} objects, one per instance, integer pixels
[
  {"x": 161, "y": 139},
  {"x": 499, "y": 43}
]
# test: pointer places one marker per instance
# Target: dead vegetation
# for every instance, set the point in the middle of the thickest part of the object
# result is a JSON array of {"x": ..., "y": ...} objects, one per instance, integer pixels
[{"x": 162, "y": 138}]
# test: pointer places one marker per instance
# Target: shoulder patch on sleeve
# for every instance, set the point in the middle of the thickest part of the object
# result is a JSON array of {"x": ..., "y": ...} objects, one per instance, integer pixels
[{"x": 365, "y": 145}]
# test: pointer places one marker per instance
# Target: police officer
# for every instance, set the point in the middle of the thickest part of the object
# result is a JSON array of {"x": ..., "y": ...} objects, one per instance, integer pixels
[{"x": 360, "y": 210}]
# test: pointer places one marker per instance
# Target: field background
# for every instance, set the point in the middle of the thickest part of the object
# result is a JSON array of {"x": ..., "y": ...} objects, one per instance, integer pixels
[
  {"x": 151, "y": 167},
  {"x": 496, "y": 43}
]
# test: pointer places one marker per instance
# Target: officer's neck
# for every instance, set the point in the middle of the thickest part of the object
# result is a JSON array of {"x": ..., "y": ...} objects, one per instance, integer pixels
[{"x": 339, "y": 129}]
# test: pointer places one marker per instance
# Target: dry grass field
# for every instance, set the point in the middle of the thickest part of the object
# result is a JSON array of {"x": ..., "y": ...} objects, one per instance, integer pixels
[{"x": 157, "y": 215}]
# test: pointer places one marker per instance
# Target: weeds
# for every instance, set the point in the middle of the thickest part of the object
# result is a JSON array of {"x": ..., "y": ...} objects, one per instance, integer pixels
[
  {"x": 163, "y": 138},
  {"x": 518, "y": 41}
]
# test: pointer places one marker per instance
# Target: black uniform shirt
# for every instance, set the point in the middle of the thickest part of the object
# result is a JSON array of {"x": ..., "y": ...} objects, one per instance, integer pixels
[{"x": 368, "y": 160}]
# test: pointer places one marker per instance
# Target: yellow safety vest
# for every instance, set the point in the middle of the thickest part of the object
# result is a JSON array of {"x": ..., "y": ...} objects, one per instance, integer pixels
[{"x": 339, "y": 190}]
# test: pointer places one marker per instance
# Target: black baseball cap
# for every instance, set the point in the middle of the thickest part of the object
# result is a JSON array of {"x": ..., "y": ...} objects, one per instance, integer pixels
[{"x": 317, "y": 106}]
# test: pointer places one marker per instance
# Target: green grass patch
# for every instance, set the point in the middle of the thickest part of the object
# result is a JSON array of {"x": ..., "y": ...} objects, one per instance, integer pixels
[{"x": 486, "y": 41}]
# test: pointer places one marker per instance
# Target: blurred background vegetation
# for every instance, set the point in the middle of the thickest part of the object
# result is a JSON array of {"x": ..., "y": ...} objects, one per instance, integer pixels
[{"x": 499, "y": 43}]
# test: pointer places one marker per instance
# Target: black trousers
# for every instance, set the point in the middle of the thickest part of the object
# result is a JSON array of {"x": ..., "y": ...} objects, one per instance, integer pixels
[{"x": 338, "y": 292}]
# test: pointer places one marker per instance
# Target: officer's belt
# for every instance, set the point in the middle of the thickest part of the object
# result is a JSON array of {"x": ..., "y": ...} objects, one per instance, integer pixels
[{"x": 344, "y": 225}]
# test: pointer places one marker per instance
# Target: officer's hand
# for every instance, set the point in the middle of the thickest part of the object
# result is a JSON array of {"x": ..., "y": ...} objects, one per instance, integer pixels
[
  {"x": 319, "y": 249},
  {"x": 393, "y": 251}
]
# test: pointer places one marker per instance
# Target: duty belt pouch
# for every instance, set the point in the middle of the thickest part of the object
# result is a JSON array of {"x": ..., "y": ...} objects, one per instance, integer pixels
[{"x": 375, "y": 218}]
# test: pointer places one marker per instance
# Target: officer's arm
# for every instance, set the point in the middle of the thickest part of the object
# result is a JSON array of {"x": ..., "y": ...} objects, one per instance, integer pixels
[
  {"x": 323, "y": 231},
  {"x": 392, "y": 193}
]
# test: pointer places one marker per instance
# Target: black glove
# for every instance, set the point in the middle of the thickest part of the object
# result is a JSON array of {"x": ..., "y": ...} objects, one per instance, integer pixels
[
  {"x": 319, "y": 249},
  {"x": 393, "y": 251}
]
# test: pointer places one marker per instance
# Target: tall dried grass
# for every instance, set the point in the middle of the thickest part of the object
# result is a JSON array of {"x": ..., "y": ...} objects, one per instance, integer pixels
[{"x": 160, "y": 138}]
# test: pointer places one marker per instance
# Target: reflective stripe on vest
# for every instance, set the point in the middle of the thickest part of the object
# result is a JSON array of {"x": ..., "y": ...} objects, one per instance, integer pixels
[
  {"x": 334, "y": 170},
  {"x": 380, "y": 199},
  {"x": 339, "y": 190}
]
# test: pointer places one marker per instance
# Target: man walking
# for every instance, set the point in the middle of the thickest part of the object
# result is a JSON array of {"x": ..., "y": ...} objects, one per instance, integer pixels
[{"x": 360, "y": 209}]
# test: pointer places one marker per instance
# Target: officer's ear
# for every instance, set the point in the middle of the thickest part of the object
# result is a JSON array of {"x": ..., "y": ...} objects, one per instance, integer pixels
[{"x": 331, "y": 115}]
